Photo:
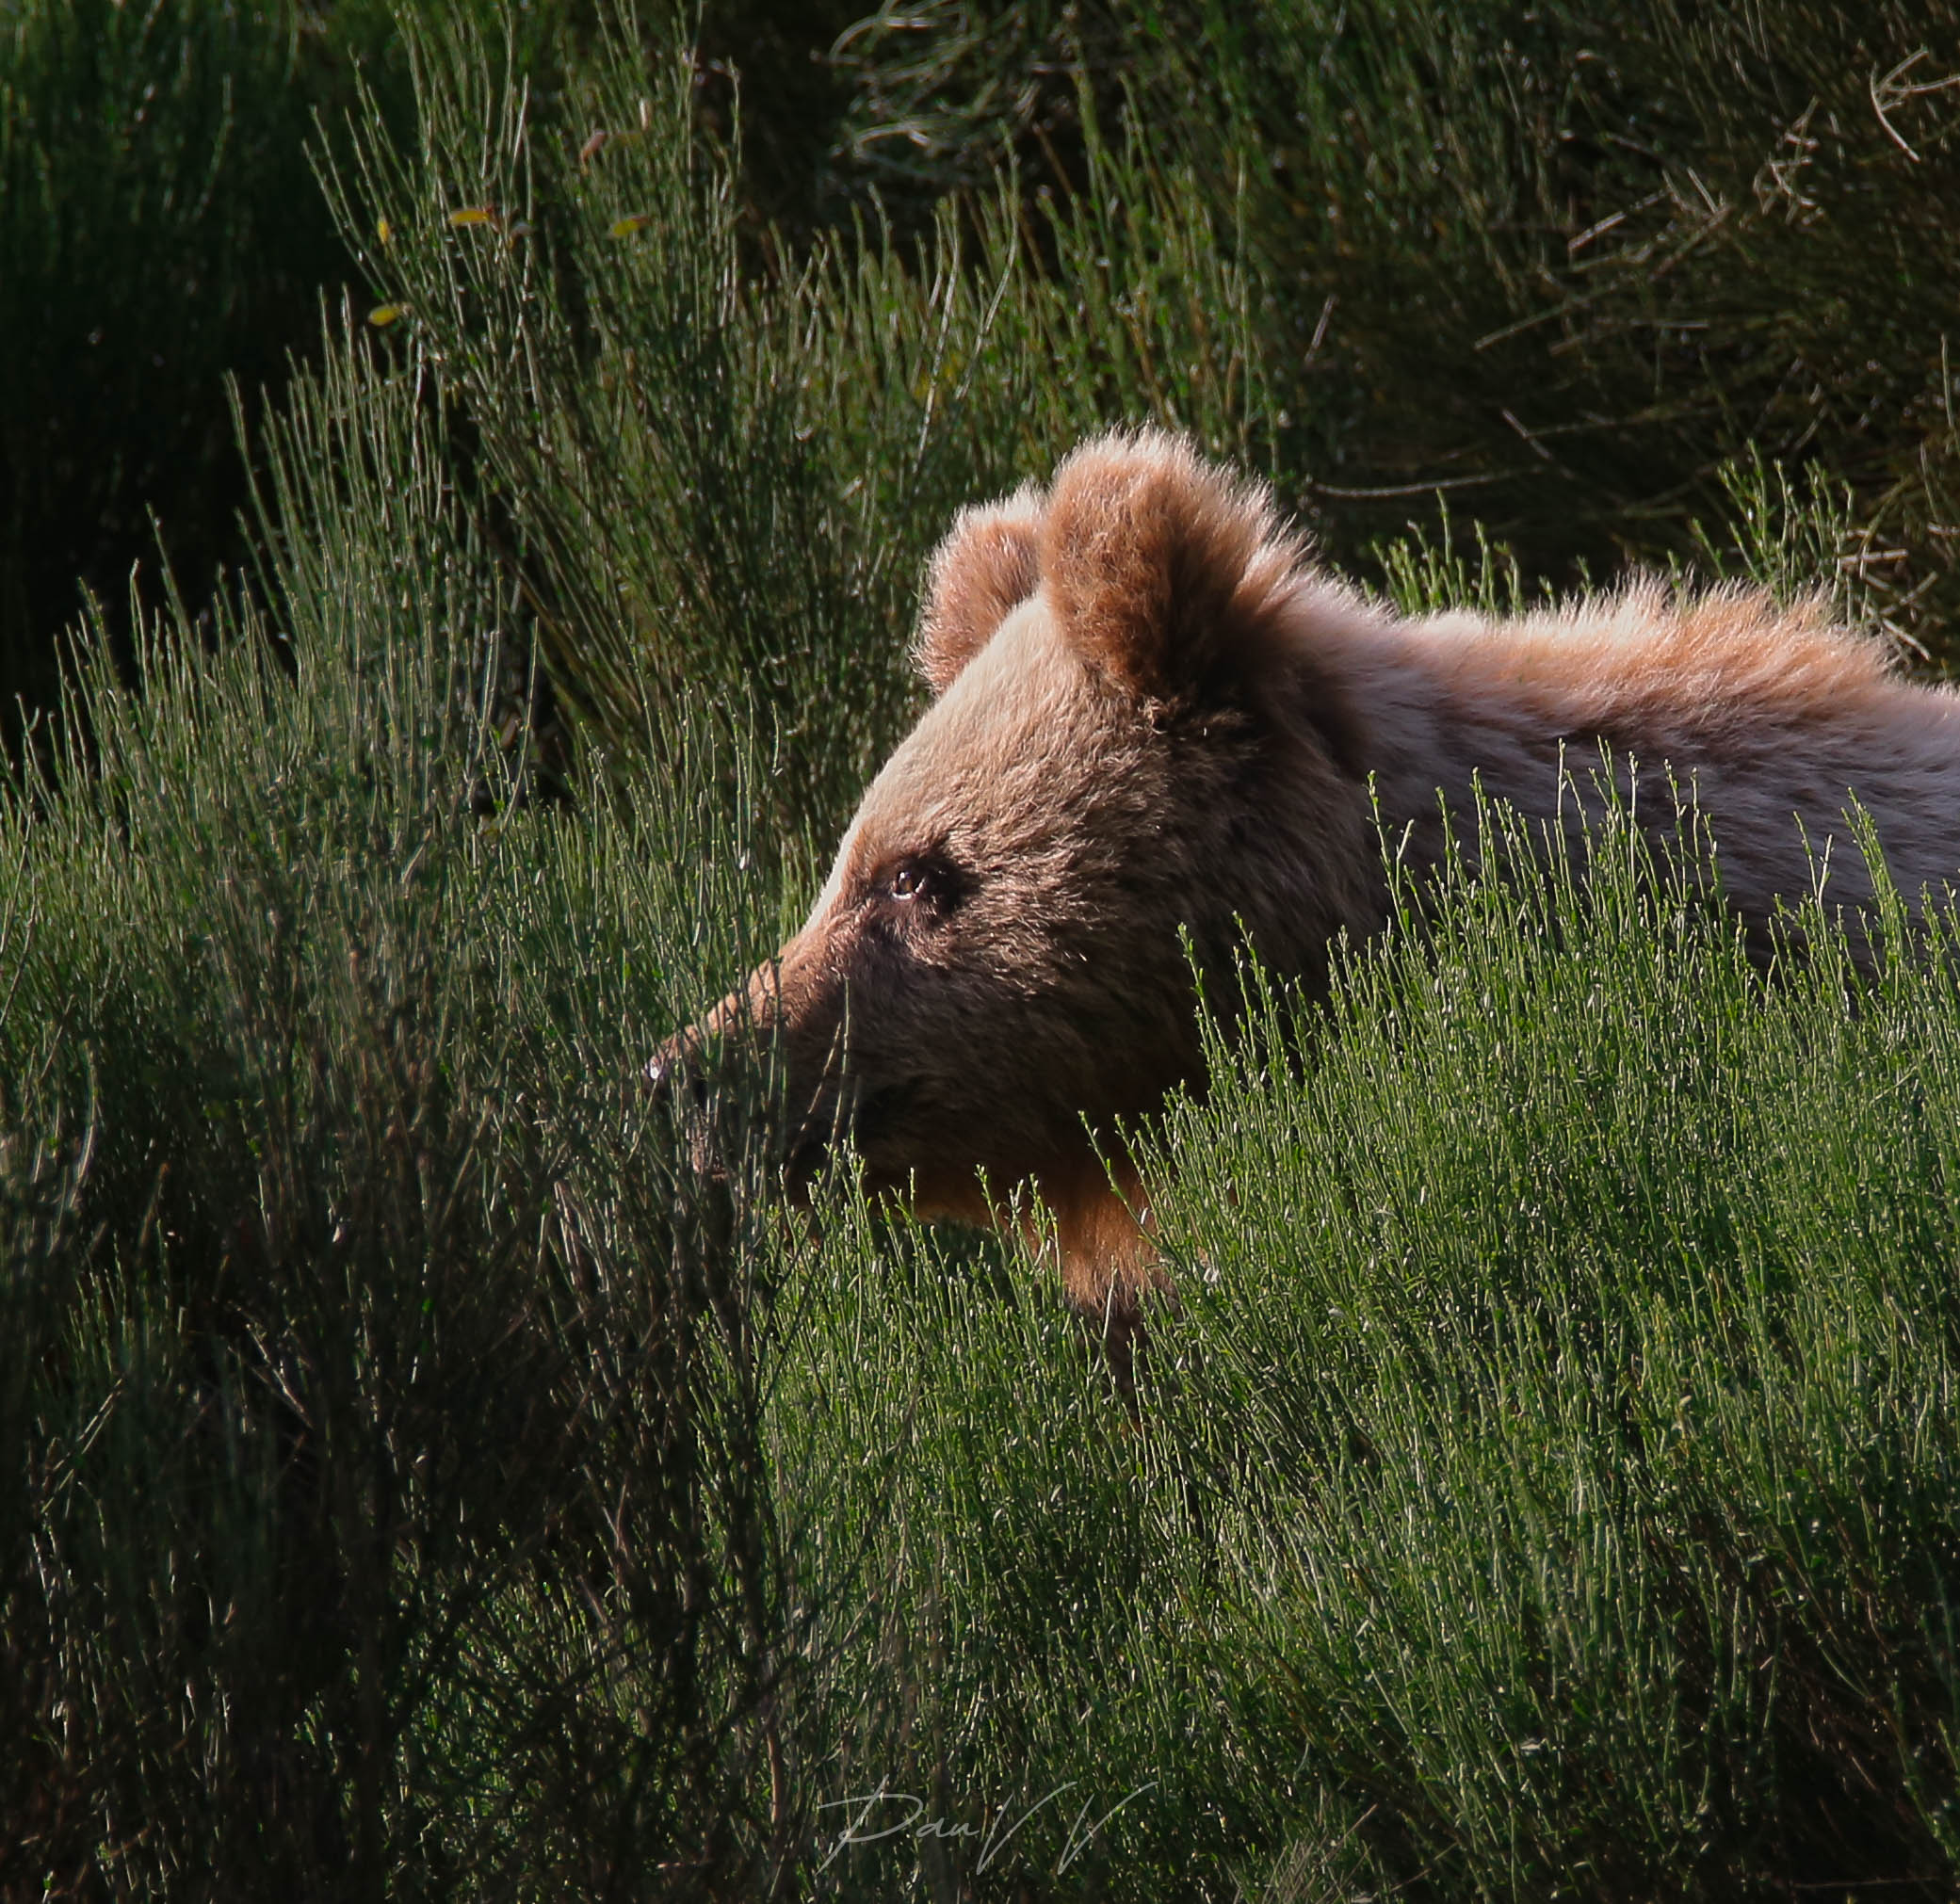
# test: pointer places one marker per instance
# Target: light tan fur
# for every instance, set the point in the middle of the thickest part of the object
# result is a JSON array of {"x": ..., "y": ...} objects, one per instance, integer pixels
[
  {"x": 985, "y": 567},
  {"x": 1155, "y": 719}
]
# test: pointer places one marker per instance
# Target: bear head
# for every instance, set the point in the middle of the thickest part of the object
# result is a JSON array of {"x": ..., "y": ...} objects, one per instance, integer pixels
[{"x": 1134, "y": 763}]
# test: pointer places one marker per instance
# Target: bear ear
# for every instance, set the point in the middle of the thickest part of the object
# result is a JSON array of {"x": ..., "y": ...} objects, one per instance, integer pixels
[
  {"x": 983, "y": 570},
  {"x": 1164, "y": 571}
]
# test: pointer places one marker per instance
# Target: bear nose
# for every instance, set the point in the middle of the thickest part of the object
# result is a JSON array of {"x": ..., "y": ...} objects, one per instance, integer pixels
[{"x": 676, "y": 1074}]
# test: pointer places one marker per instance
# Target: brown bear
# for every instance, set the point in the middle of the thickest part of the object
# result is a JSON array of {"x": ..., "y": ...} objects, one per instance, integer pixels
[{"x": 1158, "y": 733}]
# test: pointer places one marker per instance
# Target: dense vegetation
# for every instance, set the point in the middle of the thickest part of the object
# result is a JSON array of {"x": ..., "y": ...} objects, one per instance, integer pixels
[{"x": 416, "y": 1481}]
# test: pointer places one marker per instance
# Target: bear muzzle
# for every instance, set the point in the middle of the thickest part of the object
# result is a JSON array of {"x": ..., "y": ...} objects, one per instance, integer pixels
[{"x": 753, "y": 1082}]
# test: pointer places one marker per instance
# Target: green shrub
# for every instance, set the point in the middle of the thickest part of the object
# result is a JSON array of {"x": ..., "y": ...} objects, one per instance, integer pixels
[
  {"x": 710, "y": 477},
  {"x": 163, "y": 232},
  {"x": 1560, "y": 263},
  {"x": 1579, "y": 1305},
  {"x": 160, "y": 229},
  {"x": 384, "y": 1506}
]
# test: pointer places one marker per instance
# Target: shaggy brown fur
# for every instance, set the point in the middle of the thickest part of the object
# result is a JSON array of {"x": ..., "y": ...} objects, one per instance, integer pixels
[{"x": 1154, "y": 718}]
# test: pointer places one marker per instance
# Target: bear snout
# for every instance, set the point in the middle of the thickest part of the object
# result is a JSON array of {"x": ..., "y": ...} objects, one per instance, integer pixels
[
  {"x": 754, "y": 1065},
  {"x": 675, "y": 1077},
  {"x": 679, "y": 1076}
]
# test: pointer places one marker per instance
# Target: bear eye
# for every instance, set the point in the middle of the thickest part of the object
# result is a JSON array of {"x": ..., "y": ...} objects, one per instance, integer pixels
[{"x": 920, "y": 880}]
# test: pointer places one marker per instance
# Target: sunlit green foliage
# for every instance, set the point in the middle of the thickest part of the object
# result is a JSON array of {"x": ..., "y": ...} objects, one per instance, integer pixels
[{"x": 717, "y": 476}]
